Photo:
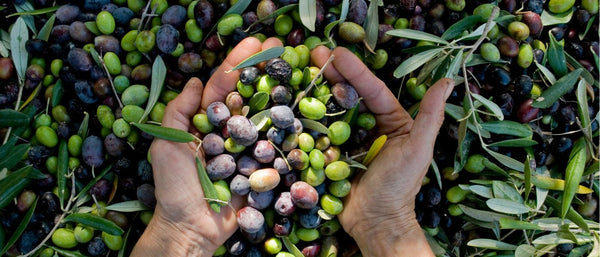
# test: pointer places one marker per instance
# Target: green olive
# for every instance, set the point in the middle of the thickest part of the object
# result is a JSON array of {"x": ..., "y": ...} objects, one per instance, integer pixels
[
  {"x": 228, "y": 23},
  {"x": 132, "y": 113},
  {"x": 158, "y": 112},
  {"x": 167, "y": 96},
  {"x": 112, "y": 62},
  {"x": 401, "y": 23},
  {"x": 475, "y": 163},
  {"x": 52, "y": 164},
  {"x": 518, "y": 30},
  {"x": 135, "y": 95},
  {"x": 283, "y": 25},
  {"x": 133, "y": 58},
  {"x": 303, "y": 54},
  {"x": 121, "y": 83},
  {"x": 296, "y": 80},
  {"x": 113, "y": 242},
  {"x": 245, "y": 91},
  {"x": 83, "y": 234},
  {"x": 416, "y": 91},
  {"x": 337, "y": 170},
  {"x": 105, "y": 22},
  {"x": 146, "y": 216},
  {"x": 312, "y": 42},
  {"x": 145, "y": 41},
  {"x": 46, "y": 136},
  {"x": 454, "y": 210},
  {"x": 222, "y": 189},
  {"x": 331, "y": 204},
  {"x": 525, "y": 57},
  {"x": 64, "y": 238},
  {"x": 272, "y": 245},
  {"x": 233, "y": 147},
  {"x": 316, "y": 159},
  {"x": 121, "y": 128},
  {"x": 202, "y": 124},
  {"x": 490, "y": 52},
  {"x": 307, "y": 234},
  {"x": 456, "y": 194},
  {"x": 265, "y": 84},
  {"x": 43, "y": 120},
  {"x": 560, "y": 6},
  {"x": 136, "y": 5},
  {"x": 193, "y": 31},
  {"x": 312, "y": 176},
  {"x": 484, "y": 10},
  {"x": 47, "y": 252},
  {"x": 74, "y": 145},
  {"x": 290, "y": 56},
  {"x": 55, "y": 67},
  {"x": 105, "y": 116},
  {"x": 306, "y": 142},
  {"x": 378, "y": 60},
  {"x": 60, "y": 114},
  {"x": 366, "y": 120},
  {"x": 312, "y": 108},
  {"x": 340, "y": 188},
  {"x": 590, "y": 5},
  {"x": 338, "y": 132},
  {"x": 221, "y": 250}
]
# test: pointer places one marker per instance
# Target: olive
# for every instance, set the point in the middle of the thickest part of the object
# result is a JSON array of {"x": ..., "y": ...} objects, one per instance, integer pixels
[
  {"x": 351, "y": 32},
  {"x": 518, "y": 30},
  {"x": 508, "y": 47},
  {"x": 560, "y": 6}
]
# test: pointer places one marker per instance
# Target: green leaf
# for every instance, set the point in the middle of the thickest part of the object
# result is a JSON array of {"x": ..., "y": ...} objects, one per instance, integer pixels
[
  {"x": 20, "y": 229},
  {"x": 171, "y": 134},
  {"x": 436, "y": 171},
  {"x": 556, "y": 57},
  {"x": 207, "y": 186},
  {"x": 540, "y": 197},
  {"x": 328, "y": 29},
  {"x": 432, "y": 66},
  {"x": 476, "y": 59},
  {"x": 67, "y": 253},
  {"x": 239, "y": 7},
  {"x": 261, "y": 118},
  {"x": 591, "y": 79},
  {"x": 507, "y": 206},
  {"x": 415, "y": 61},
  {"x": 261, "y": 56},
  {"x": 374, "y": 149},
  {"x": 529, "y": 166},
  {"x": 96, "y": 222},
  {"x": 563, "y": 232},
  {"x": 459, "y": 27},
  {"x": 517, "y": 142},
  {"x": 371, "y": 25},
  {"x": 93, "y": 182},
  {"x": 62, "y": 171},
  {"x": 547, "y": 73},
  {"x": 26, "y": 7},
  {"x": 96, "y": 57},
  {"x": 462, "y": 152},
  {"x": 416, "y": 35},
  {"x": 553, "y": 184},
  {"x": 18, "y": 37},
  {"x": 7, "y": 147},
  {"x": 591, "y": 22},
  {"x": 505, "y": 160},
  {"x": 159, "y": 71},
  {"x": 572, "y": 215},
  {"x": 454, "y": 111},
  {"x": 258, "y": 101},
  {"x": 125, "y": 243},
  {"x": 482, "y": 191},
  {"x": 518, "y": 224},
  {"x": 344, "y": 11},
  {"x": 582, "y": 250},
  {"x": 36, "y": 11},
  {"x": 554, "y": 239},
  {"x": 308, "y": 13},
  {"x": 83, "y": 128},
  {"x": 477, "y": 32},
  {"x": 561, "y": 87},
  {"x": 32, "y": 96},
  {"x": 291, "y": 247},
  {"x": 92, "y": 27},
  {"x": 14, "y": 156},
  {"x": 355, "y": 164},
  {"x": 549, "y": 18},
  {"x": 454, "y": 67},
  {"x": 12, "y": 185},
  {"x": 12, "y": 118},
  {"x": 480, "y": 215},
  {"x": 525, "y": 251},
  {"x": 573, "y": 174},
  {"x": 505, "y": 191},
  {"x": 508, "y": 127},
  {"x": 491, "y": 244},
  {"x": 582, "y": 105},
  {"x": 127, "y": 206},
  {"x": 314, "y": 125},
  {"x": 44, "y": 33},
  {"x": 57, "y": 93},
  {"x": 493, "y": 107}
]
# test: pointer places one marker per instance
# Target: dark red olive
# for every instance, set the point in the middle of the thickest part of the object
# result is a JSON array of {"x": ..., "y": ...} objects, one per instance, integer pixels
[{"x": 526, "y": 112}]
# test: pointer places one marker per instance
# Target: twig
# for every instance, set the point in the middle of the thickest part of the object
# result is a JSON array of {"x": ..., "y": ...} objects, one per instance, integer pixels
[{"x": 312, "y": 83}]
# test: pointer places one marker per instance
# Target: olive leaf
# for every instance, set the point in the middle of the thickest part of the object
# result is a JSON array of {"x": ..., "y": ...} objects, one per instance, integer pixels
[
  {"x": 459, "y": 27},
  {"x": 572, "y": 215},
  {"x": 478, "y": 32},
  {"x": 327, "y": 32},
  {"x": 553, "y": 183},
  {"x": 506, "y": 206},
  {"x": 83, "y": 128},
  {"x": 12, "y": 118},
  {"x": 258, "y": 101},
  {"x": 92, "y": 27},
  {"x": 556, "y": 56},
  {"x": 344, "y": 11},
  {"x": 7, "y": 147},
  {"x": 261, "y": 56},
  {"x": 31, "y": 96},
  {"x": 525, "y": 250},
  {"x": 371, "y": 25},
  {"x": 18, "y": 37},
  {"x": 127, "y": 206},
  {"x": 573, "y": 174},
  {"x": 582, "y": 105},
  {"x": 508, "y": 127},
  {"x": 591, "y": 22},
  {"x": 554, "y": 239},
  {"x": 491, "y": 244},
  {"x": 546, "y": 72},
  {"x": 518, "y": 224},
  {"x": 96, "y": 222},
  {"x": 530, "y": 166},
  {"x": 549, "y": 18},
  {"x": 374, "y": 149},
  {"x": 171, "y": 134},
  {"x": 62, "y": 171},
  {"x": 125, "y": 242},
  {"x": 159, "y": 71},
  {"x": 517, "y": 142},
  {"x": 261, "y": 118},
  {"x": 493, "y": 107},
  {"x": 57, "y": 93},
  {"x": 26, "y": 6},
  {"x": 13, "y": 184},
  {"x": 454, "y": 111},
  {"x": 20, "y": 229},
  {"x": 561, "y": 87},
  {"x": 67, "y": 253},
  {"x": 416, "y": 35},
  {"x": 35, "y": 11},
  {"x": 506, "y": 160},
  {"x": 503, "y": 190},
  {"x": 239, "y": 7},
  {"x": 93, "y": 182},
  {"x": 415, "y": 61},
  {"x": 589, "y": 77},
  {"x": 291, "y": 247},
  {"x": 314, "y": 125},
  {"x": 308, "y": 13},
  {"x": 482, "y": 191},
  {"x": 14, "y": 156},
  {"x": 452, "y": 70},
  {"x": 44, "y": 33},
  {"x": 207, "y": 186}
]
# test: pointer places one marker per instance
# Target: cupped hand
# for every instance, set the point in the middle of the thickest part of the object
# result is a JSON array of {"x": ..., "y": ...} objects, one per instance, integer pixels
[
  {"x": 183, "y": 223},
  {"x": 379, "y": 211}
]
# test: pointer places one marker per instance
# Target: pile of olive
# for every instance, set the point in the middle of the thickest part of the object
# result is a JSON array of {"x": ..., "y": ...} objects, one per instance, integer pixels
[{"x": 292, "y": 171}]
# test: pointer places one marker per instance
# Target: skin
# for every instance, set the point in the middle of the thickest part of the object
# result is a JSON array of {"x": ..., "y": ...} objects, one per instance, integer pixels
[{"x": 382, "y": 222}]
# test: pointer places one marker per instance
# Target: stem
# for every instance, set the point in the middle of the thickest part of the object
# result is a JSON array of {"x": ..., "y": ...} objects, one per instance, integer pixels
[{"x": 312, "y": 83}]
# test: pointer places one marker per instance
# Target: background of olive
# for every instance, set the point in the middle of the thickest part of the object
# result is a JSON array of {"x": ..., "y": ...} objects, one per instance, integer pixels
[{"x": 81, "y": 89}]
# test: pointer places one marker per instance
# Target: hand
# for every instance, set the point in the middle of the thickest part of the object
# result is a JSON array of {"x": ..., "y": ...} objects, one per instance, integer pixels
[
  {"x": 183, "y": 223},
  {"x": 379, "y": 211}
]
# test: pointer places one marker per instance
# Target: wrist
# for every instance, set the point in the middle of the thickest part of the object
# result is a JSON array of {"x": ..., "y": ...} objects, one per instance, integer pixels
[
  {"x": 162, "y": 238},
  {"x": 393, "y": 237}
]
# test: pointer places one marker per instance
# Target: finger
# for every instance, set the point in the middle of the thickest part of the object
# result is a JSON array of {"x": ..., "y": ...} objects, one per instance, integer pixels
[
  {"x": 180, "y": 110},
  {"x": 319, "y": 56},
  {"x": 221, "y": 83},
  {"x": 271, "y": 42},
  {"x": 431, "y": 113}
]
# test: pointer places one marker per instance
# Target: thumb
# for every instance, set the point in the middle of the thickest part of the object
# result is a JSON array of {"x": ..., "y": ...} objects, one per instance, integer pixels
[
  {"x": 179, "y": 111},
  {"x": 431, "y": 113}
]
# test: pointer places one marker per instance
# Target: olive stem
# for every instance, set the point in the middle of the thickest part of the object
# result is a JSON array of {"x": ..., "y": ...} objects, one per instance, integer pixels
[
  {"x": 312, "y": 83},
  {"x": 58, "y": 222}
]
